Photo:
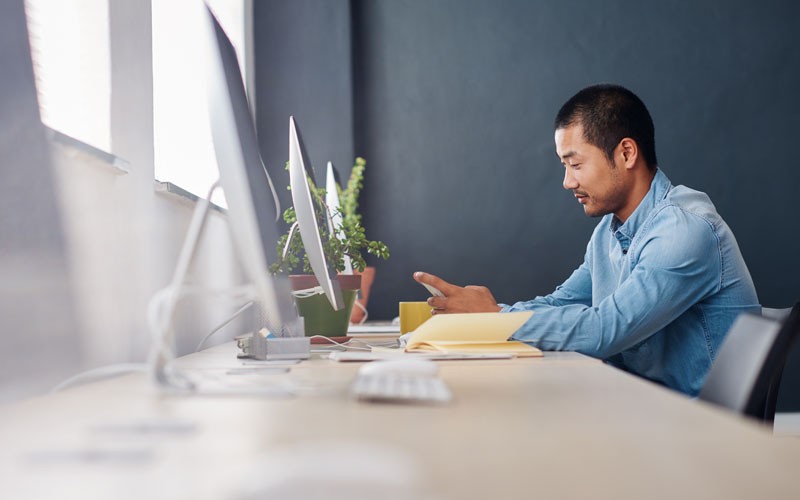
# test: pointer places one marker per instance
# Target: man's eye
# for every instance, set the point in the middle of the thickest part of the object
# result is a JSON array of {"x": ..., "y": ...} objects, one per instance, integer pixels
[{"x": 574, "y": 165}]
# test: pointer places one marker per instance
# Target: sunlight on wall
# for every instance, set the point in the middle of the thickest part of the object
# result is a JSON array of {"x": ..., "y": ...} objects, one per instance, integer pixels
[{"x": 71, "y": 59}]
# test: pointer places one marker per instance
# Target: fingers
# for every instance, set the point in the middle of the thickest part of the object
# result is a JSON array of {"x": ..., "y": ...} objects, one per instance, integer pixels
[
  {"x": 439, "y": 303},
  {"x": 470, "y": 299},
  {"x": 435, "y": 281}
]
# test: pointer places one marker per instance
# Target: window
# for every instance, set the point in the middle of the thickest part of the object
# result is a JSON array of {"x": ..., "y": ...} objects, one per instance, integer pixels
[
  {"x": 72, "y": 66},
  {"x": 70, "y": 47},
  {"x": 184, "y": 154}
]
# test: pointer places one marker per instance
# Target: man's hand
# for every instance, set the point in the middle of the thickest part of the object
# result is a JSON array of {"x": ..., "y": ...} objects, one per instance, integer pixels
[{"x": 469, "y": 299}]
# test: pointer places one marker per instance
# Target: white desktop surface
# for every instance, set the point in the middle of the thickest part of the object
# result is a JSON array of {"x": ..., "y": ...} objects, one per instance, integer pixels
[{"x": 562, "y": 426}]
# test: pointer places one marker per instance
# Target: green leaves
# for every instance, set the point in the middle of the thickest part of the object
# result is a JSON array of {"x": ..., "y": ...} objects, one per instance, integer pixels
[
  {"x": 348, "y": 198},
  {"x": 349, "y": 239}
]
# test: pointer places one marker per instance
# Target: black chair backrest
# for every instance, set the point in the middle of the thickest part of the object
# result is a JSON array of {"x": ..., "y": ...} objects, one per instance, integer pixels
[{"x": 746, "y": 373}]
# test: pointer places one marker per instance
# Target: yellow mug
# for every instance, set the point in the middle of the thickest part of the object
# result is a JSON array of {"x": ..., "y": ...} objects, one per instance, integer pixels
[{"x": 413, "y": 314}]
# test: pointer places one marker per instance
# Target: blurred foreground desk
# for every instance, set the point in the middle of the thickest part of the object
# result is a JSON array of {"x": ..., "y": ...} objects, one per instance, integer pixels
[{"x": 564, "y": 426}]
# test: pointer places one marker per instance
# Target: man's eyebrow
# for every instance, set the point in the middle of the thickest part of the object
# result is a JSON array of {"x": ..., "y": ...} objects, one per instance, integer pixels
[{"x": 566, "y": 155}]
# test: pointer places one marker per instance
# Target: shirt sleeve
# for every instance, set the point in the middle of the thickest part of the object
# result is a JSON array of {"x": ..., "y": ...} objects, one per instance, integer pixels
[
  {"x": 577, "y": 290},
  {"x": 679, "y": 264}
]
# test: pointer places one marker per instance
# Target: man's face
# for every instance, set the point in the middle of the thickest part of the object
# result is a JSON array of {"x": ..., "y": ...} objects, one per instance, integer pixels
[{"x": 598, "y": 184}]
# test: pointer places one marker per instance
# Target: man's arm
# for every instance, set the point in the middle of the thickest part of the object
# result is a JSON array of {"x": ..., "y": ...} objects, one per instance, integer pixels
[
  {"x": 675, "y": 270},
  {"x": 576, "y": 290}
]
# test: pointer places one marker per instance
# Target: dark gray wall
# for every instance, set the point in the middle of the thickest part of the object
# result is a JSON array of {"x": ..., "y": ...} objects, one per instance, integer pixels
[
  {"x": 453, "y": 108},
  {"x": 302, "y": 50}
]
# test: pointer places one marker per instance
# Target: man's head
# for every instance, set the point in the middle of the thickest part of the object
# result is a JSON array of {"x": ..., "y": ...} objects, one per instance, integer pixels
[
  {"x": 609, "y": 113},
  {"x": 606, "y": 141}
]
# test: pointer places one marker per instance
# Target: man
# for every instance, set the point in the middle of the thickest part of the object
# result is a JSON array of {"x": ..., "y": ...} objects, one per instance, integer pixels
[{"x": 662, "y": 279}]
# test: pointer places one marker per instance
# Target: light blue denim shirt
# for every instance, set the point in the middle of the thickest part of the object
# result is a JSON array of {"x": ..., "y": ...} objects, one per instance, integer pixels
[{"x": 654, "y": 296}]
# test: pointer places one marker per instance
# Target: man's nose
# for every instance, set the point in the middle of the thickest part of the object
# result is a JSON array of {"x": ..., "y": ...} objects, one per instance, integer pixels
[{"x": 569, "y": 180}]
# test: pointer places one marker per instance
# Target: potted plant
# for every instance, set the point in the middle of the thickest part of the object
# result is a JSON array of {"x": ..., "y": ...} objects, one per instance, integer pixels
[{"x": 346, "y": 240}]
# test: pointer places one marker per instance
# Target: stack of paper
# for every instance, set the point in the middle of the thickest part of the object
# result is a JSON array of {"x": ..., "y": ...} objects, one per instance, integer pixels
[{"x": 472, "y": 333}]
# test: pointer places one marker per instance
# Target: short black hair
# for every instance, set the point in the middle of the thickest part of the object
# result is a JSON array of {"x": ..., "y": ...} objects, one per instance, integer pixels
[{"x": 609, "y": 113}]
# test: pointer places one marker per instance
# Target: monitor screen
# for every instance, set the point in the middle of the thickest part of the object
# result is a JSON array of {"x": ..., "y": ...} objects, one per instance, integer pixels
[
  {"x": 253, "y": 207},
  {"x": 253, "y": 210}
]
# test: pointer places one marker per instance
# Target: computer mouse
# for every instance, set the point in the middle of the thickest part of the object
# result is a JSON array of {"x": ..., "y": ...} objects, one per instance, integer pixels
[{"x": 410, "y": 367}]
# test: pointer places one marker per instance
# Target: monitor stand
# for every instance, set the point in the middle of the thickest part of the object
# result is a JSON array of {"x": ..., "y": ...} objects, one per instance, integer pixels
[{"x": 161, "y": 311}]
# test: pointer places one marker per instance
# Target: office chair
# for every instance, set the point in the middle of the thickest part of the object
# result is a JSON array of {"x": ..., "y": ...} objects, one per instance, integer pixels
[
  {"x": 746, "y": 373},
  {"x": 776, "y": 314}
]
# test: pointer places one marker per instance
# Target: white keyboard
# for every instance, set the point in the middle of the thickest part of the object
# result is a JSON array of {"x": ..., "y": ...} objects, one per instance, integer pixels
[{"x": 401, "y": 388}]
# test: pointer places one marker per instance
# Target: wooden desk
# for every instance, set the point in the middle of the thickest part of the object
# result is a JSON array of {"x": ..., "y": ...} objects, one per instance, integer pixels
[{"x": 564, "y": 426}]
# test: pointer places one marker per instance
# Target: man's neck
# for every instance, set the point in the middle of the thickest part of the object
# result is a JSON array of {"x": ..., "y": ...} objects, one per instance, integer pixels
[{"x": 640, "y": 188}]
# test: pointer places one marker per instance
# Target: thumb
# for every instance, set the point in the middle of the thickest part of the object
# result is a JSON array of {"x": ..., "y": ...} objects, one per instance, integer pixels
[{"x": 436, "y": 282}]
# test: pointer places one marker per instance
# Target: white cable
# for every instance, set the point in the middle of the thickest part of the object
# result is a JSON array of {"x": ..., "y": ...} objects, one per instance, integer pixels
[
  {"x": 292, "y": 231},
  {"x": 161, "y": 307},
  {"x": 340, "y": 344},
  {"x": 159, "y": 319},
  {"x": 388, "y": 343},
  {"x": 308, "y": 292},
  {"x": 159, "y": 310},
  {"x": 99, "y": 374},
  {"x": 366, "y": 313},
  {"x": 224, "y": 324}
]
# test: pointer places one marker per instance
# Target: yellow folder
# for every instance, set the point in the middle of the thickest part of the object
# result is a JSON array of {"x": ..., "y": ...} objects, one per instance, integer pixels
[{"x": 472, "y": 333}]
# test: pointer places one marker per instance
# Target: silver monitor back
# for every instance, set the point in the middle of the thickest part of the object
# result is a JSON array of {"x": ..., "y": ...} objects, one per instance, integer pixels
[
  {"x": 253, "y": 209},
  {"x": 334, "y": 205},
  {"x": 307, "y": 220}
]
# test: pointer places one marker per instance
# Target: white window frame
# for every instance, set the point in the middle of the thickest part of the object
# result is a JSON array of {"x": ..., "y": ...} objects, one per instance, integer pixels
[{"x": 183, "y": 150}]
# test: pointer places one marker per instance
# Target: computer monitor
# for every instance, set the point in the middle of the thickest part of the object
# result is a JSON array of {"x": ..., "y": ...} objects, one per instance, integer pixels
[
  {"x": 253, "y": 207},
  {"x": 335, "y": 207},
  {"x": 307, "y": 219}
]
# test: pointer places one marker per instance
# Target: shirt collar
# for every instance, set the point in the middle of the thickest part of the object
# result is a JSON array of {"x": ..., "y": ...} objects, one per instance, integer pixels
[{"x": 659, "y": 188}]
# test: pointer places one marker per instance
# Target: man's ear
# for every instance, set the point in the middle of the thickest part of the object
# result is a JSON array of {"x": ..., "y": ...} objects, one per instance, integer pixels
[{"x": 628, "y": 152}]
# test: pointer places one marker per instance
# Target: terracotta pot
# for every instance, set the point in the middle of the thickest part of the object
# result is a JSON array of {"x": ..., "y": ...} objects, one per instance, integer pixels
[
  {"x": 367, "y": 277},
  {"x": 319, "y": 317}
]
